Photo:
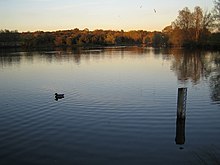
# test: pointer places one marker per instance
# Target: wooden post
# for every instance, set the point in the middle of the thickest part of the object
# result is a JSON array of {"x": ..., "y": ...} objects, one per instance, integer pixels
[
  {"x": 181, "y": 103},
  {"x": 181, "y": 116}
]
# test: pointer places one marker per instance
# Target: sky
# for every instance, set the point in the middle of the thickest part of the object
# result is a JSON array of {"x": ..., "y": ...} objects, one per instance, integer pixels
[{"x": 52, "y": 15}]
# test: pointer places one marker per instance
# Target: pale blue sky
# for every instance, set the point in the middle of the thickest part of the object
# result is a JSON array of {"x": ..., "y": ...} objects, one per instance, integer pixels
[{"x": 50, "y": 15}]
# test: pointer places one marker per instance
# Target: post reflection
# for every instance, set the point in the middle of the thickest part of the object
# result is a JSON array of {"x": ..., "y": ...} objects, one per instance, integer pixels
[{"x": 180, "y": 131}]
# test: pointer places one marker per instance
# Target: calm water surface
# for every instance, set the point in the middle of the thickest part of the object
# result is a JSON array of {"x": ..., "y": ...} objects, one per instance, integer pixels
[{"x": 119, "y": 108}]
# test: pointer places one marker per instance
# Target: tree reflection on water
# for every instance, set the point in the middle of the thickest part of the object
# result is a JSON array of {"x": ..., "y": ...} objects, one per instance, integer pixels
[
  {"x": 198, "y": 65},
  {"x": 215, "y": 78},
  {"x": 189, "y": 65}
]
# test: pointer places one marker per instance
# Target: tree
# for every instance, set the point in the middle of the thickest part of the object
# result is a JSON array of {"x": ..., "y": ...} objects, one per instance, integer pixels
[
  {"x": 191, "y": 28},
  {"x": 110, "y": 39},
  {"x": 159, "y": 40},
  {"x": 9, "y": 38},
  {"x": 216, "y": 13},
  {"x": 198, "y": 19},
  {"x": 184, "y": 22}
]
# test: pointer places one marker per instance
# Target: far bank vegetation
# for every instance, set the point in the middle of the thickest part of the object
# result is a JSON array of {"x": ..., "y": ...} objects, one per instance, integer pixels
[{"x": 194, "y": 29}]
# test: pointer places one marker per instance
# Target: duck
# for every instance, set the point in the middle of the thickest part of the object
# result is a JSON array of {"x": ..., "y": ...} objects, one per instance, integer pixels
[{"x": 59, "y": 96}]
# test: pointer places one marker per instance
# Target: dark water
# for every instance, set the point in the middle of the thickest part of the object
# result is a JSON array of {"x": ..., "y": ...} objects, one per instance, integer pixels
[{"x": 119, "y": 107}]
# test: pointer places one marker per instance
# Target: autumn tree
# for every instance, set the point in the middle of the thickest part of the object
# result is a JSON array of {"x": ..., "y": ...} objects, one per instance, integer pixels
[
  {"x": 198, "y": 19},
  {"x": 159, "y": 40},
  {"x": 190, "y": 28},
  {"x": 110, "y": 38},
  {"x": 9, "y": 38},
  {"x": 216, "y": 13}
]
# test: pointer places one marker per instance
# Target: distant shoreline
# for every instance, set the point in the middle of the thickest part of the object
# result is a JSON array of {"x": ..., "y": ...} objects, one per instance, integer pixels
[
  {"x": 91, "y": 47},
  {"x": 99, "y": 38}
]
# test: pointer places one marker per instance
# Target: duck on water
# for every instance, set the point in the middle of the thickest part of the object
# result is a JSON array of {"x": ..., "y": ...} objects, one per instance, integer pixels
[{"x": 58, "y": 96}]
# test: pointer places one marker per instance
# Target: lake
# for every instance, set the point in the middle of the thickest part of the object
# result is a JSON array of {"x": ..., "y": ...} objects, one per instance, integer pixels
[{"x": 119, "y": 107}]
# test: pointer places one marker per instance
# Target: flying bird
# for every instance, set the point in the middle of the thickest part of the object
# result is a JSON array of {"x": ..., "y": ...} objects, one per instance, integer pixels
[{"x": 155, "y": 11}]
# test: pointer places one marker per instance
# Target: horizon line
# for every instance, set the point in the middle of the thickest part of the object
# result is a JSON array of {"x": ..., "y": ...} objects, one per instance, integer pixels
[{"x": 81, "y": 29}]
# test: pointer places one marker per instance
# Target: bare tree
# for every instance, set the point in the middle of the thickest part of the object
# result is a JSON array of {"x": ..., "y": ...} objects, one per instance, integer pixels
[
  {"x": 216, "y": 13},
  {"x": 184, "y": 20},
  {"x": 191, "y": 27},
  {"x": 198, "y": 19}
]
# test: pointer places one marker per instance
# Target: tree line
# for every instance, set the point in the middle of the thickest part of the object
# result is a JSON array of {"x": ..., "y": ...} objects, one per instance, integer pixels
[
  {"x": 77, "y": 37},
  {"x": 195, "y": 28}
]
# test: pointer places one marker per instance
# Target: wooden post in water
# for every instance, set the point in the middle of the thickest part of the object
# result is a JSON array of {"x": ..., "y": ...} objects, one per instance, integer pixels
[
  {"x": 181, "y": 116},
  {"x": 181, "y": 103}
]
